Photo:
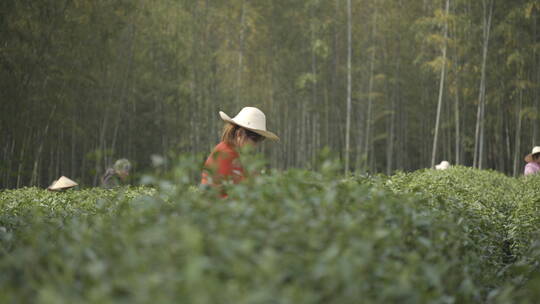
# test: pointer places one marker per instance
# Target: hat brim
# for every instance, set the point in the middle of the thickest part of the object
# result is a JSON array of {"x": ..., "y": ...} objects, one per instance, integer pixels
[
  {"x": 529, "y": 157},
  {"x": 264, "y": 133}
]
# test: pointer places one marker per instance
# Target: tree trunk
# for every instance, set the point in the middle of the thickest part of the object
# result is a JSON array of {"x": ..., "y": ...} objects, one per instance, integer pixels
[
  {"x": 456, "y": 114},
  {"x": 441, "y": 88},
  {"x": 35, "y": 171},
  {"x": 73, "y": 141},
  {"x": 477, "y": 160},
  {"x": 240, "y": 53},
  {"x": 349, "y": 84},
  {"x": 21, "y": 162},
  {"x": 537, "y": 89},
  {"x": 393, "y": 110},
  {"x": 482, "y": 132},
  {"x": 517, "y": 147},
  {"x": 368, "y": 141},
  {"x": 314, "y": 100}
]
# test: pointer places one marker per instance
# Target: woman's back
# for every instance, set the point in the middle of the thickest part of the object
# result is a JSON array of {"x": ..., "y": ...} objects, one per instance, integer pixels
[{"x": 222, "y": 164}]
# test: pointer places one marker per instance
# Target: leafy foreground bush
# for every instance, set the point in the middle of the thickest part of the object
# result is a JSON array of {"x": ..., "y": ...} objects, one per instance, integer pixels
[
  {"x": 507, "y": 211},
  {"x": 290, "y": 237}
]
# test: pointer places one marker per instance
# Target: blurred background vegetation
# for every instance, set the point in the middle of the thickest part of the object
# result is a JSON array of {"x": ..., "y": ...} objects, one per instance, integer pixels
[{"x": 85, "y": 82}]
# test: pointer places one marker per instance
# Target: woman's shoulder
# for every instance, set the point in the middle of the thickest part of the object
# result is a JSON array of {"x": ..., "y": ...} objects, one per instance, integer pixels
[
  {"x": 224, "y": 147},
  {"x": 532, "y": 165},
  {"x": 110, "y": 179},
  {"x": 222, "y": 151},
  {"x": 531, "y": 168}
]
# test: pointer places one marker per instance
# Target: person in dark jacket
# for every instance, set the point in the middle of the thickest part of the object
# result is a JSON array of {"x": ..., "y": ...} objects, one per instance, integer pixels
[{"x": 117, "y": 175}]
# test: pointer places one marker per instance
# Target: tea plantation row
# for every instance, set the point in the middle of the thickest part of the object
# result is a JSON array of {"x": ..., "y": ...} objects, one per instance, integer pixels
[{"x": 455, "y": 236}]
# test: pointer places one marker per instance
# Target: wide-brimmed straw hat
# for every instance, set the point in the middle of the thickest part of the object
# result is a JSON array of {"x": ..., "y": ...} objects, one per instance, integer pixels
[
  {"x": 443, "y": 165},
  {"x": 62, "y": 183},
  {"x": 252, "y": 119},
  {"x": 529, "y": 157}
]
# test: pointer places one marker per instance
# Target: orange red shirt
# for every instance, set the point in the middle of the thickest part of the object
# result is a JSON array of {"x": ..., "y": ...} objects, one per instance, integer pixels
[{"x": 223, "y": 164}]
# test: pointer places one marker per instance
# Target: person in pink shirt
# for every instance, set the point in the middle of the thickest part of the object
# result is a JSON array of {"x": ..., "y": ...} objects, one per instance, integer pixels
[{"x": 533, "y": 162}]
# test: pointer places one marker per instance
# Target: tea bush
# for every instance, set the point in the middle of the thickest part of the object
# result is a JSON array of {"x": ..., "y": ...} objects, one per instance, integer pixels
[
  {"x": 455, "y": 236},
  {"x": 509, "y": 210}
]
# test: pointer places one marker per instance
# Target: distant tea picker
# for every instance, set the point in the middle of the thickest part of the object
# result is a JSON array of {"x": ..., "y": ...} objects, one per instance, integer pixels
[
  {"x": 248, "y": 127},
  {"x": 533, "y": 161},
  {"x": 117, "y": 175}
]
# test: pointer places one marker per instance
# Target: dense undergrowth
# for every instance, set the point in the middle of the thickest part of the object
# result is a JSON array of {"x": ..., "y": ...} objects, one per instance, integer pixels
[{"x": 455, "y": 236}]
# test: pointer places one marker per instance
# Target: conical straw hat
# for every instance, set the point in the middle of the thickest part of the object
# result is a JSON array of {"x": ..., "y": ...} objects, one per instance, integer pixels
[{"x": 62, "y": 183}]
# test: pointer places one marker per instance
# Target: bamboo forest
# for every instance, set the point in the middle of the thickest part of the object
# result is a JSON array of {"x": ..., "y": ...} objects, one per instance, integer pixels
[{"x": 386, "y": 85}]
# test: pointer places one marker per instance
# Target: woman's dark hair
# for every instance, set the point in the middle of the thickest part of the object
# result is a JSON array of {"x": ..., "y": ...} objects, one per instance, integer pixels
[
  {"x": 229, "y": 134},
  {"x": 254, "y": 136},
  {"x": 232, "y": 134}
]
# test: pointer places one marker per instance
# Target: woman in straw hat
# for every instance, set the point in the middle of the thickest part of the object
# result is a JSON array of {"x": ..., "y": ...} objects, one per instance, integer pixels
[
  {"x": 533, "y": 161},
  {"x": 248, "y": 127}
]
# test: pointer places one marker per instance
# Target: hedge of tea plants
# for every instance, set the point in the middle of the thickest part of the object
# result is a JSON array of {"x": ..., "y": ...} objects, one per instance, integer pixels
[
  {"x": 508, "y": 214},
  {"x": 454, "y": 236}
]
